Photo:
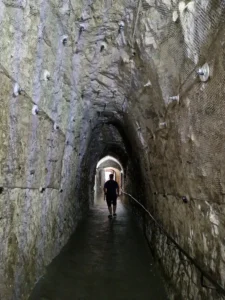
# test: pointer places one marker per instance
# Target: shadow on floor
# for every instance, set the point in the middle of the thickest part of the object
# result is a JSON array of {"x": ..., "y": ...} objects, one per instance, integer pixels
[{"x": 104, "y": 259}]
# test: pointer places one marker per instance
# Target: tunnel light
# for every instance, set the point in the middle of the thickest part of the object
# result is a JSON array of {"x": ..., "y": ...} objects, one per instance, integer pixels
[
  {"x": 174, "y": 98},
  {"x": 41, "y": 189},
  {"x": 121, "y": 26},
  {"x": 35, "y": 110},
  {"x": 148, "y": 84},
  {"x": 82, "y": 28},
  {"x": 108, "y": 157},
  {"x": 185, "y": 199},
  {"x": 200, "y": 72},
  {"x": 162, "y": 125},
  {"x": 203, "y": 72},
  {"x": 17, "y": 90},
  {"x": 103, "y": 46},
  {"x": 46, "y": 75},
  {"x": 64, "y": 40},
  {"x": 56, "y": 126}
]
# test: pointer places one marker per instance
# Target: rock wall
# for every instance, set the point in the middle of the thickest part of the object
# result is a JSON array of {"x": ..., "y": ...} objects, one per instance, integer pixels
[
  {"x": 183, "y": 141},
  {"x": 40, "y": 153},
  {"x": 37, "y": 206}
]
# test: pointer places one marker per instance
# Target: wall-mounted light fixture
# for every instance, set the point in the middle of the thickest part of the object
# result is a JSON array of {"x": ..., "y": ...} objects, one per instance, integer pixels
[
  {"x": 35, "y": 110},
  {"x": 121, "y": 26},
  {"x": 148, "y": 84},
  {"x": 56, "y": 126},
  {"x": 46, "y": 75},
  {"x": 185, "y": 199},
  {"x": 17, "y": 90},
  {"x": 203, "y": 72},
  {"x": 103, "y": 46},
  {"x": 174, "y": 98},
  {"x": 41, "y": 189},
  {"x": 162, "y": 125},
  {"x": 81, "y": 29},
  {"x": 64, "y": 40}
]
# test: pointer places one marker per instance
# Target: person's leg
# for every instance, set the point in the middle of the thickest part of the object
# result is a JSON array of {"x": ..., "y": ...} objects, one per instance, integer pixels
[
  {"x": 109, "y": 208},
  {"x": 114, "y": 206}
]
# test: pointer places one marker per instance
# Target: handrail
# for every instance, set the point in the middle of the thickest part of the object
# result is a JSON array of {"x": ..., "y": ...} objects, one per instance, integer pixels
[{"x": 219, "y": 288}]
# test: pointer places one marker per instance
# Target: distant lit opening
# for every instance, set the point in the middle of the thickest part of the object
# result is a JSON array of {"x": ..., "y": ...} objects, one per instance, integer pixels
[
  {"x": 106, "y": 166},
  {"x": 108, "y": 157},
  {"x": 108, "y": 172}
]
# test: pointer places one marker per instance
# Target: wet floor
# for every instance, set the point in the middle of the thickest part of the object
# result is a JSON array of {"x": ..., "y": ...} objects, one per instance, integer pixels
[{"x": 105, "y": 259}]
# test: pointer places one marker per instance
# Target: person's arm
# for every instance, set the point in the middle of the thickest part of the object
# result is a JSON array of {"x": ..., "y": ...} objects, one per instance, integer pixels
[
  {"x": 117, "y": 190},
  {"x": 105, "y": 188}
]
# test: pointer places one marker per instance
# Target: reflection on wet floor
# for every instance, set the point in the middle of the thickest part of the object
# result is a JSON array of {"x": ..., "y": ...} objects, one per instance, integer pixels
[{"x": 105, "y": 259}]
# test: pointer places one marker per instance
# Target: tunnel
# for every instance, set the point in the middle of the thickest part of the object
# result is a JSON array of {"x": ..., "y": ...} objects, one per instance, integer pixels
[{"x": 133, "y": 88}]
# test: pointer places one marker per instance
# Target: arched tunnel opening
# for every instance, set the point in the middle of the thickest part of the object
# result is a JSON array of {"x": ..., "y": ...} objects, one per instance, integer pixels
[
  {"x": 106, "y": 166},
  {"x": 132, "y": 88}
]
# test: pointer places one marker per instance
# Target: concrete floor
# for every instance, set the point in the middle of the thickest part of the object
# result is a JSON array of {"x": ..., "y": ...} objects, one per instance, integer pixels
[{"x": 105, "y": 259}]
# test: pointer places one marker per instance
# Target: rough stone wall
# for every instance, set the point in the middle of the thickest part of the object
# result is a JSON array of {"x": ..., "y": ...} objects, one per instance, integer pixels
[
  {"x": 36, "y": 216},
  {"x": 183, "y": 143},
  {"x": 40, "y": 154},
  {"x": 199, "y": 153}
]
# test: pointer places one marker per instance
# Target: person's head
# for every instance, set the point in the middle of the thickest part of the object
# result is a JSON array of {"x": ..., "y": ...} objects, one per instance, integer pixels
[{"x": 111, "y": 176}]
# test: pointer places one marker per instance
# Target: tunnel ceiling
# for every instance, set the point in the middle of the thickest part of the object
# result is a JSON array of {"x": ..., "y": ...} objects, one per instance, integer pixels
[
  {"x": 110, "y": 162},
  {"x": 104, "y": 62}
]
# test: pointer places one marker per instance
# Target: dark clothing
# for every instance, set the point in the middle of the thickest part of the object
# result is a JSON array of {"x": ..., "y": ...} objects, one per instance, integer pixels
[
  {"x": 111, "y": 194},
  {"x": 111, "y": 186},
  {"x": 111, "y": 201}
]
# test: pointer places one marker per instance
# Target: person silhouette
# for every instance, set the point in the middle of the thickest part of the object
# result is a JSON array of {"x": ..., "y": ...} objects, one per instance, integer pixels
[{"x": 111, "y": 190}]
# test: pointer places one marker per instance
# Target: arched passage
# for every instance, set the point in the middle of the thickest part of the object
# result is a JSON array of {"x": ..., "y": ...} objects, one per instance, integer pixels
[
  {"x": 110, "y": 139},
  {"x": 105, "y": 166}
]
